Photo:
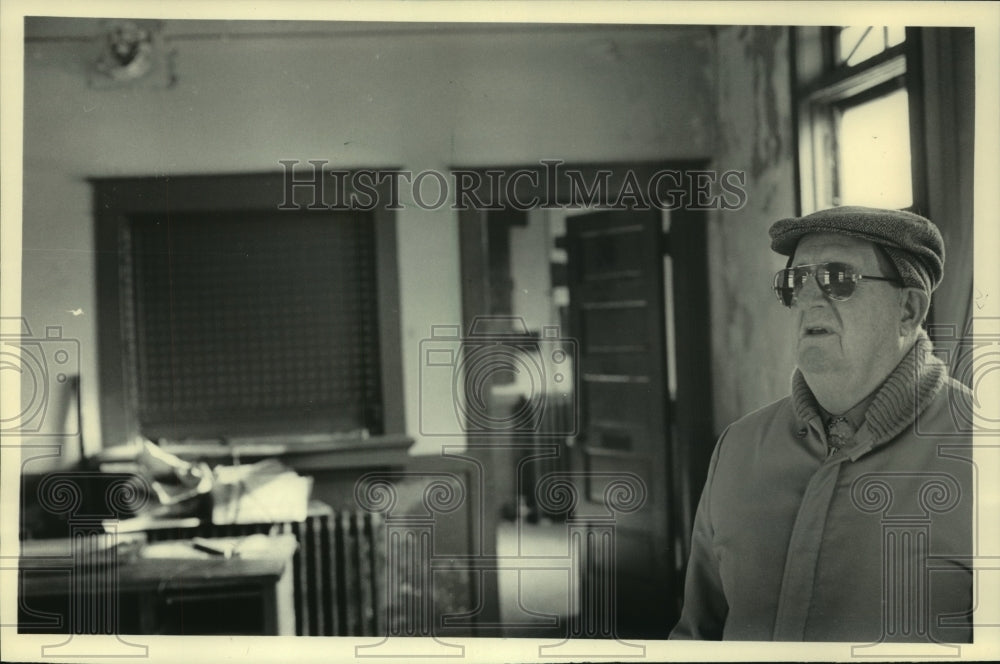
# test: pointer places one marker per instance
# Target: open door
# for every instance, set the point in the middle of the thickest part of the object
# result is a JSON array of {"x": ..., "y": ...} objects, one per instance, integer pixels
[
  {"x": 617, "y": 314},
  {"x": 626, "y": 286}
]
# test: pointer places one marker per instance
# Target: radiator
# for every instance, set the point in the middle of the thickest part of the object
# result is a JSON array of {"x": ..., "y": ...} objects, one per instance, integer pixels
[{"x": 338, "y": 569}]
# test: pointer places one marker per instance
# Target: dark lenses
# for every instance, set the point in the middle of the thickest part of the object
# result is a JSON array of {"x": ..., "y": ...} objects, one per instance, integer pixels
[
  {"x": 836, "y": 280},
  {"x": 784, "y": 286}
]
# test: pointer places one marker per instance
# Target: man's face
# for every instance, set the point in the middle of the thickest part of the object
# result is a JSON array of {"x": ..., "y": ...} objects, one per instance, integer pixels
[{"x": 857, "y": 340}]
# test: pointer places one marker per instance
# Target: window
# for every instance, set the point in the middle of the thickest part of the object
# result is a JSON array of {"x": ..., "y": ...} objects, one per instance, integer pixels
[
  {"x": 857, "y": 44},
  {"x": 235, "y": 319},
  {"x": 886, "y": 118},
  {"x": 854, "y": 117},
  {"x": 873, "y": 152},
  {"x": 249, "y": 321}
]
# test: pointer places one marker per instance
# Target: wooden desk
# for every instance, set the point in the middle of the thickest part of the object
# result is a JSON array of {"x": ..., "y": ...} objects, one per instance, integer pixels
[{"x": 163, "y": 583}]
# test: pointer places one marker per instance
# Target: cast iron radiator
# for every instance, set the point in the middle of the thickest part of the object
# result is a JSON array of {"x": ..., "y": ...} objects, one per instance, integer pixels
[{"x": 338, "y": 569}]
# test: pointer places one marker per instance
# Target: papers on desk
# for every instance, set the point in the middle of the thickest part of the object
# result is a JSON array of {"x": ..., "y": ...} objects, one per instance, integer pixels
[
  {"x": 264, "y": 492},
  {"x": 146, "y": 522}
]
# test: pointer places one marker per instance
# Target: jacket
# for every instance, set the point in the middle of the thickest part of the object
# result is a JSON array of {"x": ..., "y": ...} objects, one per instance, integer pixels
[{"x": 796, "y": 541}]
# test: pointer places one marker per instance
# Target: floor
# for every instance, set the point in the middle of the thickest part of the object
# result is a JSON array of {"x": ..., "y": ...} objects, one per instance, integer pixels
[{"x": 535, "y": 597}]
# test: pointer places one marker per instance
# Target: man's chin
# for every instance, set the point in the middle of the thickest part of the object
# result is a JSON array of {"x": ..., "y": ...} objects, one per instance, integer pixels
[{"x": 814, "y": 360}]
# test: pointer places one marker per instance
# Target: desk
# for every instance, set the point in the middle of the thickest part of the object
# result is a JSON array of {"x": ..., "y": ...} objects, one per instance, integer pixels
[{"x": 163, "y": 583}]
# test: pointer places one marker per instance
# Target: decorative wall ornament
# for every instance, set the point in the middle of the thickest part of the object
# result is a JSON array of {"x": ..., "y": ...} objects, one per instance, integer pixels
[{"x": 132, "y": 53}]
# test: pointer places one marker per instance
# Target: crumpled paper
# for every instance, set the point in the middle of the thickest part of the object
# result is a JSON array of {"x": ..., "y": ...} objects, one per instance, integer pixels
[
  {"x": 174, "y": 480},
  {"x": 263, "y": 492}
]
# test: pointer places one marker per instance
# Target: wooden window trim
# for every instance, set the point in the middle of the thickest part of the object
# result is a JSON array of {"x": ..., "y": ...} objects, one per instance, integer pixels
[
  {"x": 827, "y": 90},
  {"x": 115, "y": 199}
]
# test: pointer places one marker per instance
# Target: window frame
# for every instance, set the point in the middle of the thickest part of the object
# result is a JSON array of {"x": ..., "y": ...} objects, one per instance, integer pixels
[
  {"x": 940, "y": 71},
  {"x": 117, "y": 199},
  {"x": 822, "y": 89}
]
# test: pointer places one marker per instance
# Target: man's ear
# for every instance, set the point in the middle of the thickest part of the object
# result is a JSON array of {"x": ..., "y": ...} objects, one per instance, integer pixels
[{"x": 913, "y": 309}]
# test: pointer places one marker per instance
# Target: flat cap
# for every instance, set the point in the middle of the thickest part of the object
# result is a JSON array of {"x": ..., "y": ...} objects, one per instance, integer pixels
[{"x": 912, "y": 242}]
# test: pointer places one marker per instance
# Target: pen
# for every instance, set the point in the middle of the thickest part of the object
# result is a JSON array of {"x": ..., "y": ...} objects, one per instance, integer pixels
[{"x": 216, "y": 548}]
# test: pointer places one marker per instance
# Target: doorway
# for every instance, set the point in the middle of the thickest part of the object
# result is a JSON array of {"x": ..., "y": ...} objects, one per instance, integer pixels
[{"x": 627, "y": 290}]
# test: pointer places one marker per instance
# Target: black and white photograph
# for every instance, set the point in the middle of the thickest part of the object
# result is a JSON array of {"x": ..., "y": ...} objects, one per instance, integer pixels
[{"x": 499, "y": 331}]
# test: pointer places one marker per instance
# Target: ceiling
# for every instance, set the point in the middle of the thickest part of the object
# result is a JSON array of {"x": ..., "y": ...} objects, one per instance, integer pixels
[{"x": 38, "y": 29}]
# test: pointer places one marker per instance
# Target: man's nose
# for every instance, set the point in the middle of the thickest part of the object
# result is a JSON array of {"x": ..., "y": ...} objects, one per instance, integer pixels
[{"x": 810, "y": 294}]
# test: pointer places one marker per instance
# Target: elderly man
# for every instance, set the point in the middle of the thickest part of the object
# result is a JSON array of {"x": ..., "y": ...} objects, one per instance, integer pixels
[{"x": 843, "y": 511}]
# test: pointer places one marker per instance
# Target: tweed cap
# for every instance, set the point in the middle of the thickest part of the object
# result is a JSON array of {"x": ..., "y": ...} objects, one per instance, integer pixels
[{"x": 912, "y": 242}]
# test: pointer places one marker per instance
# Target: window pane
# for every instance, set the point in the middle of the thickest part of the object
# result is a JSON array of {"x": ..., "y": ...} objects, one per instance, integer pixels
[
  {"x": 860, "y": 43},
  {"x": 856, "y": 44},
  {"x": 895, "y": 35},
  {"x": 874, "y": 159}
]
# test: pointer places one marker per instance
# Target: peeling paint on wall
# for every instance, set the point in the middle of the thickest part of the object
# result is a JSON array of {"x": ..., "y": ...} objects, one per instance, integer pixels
[
  {"x": 750, "y": 339},
  {"x": 760, "y": 51}
]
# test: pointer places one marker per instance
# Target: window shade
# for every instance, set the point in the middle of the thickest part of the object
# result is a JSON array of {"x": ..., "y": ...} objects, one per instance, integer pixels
[{"x": 257, "y": 322}]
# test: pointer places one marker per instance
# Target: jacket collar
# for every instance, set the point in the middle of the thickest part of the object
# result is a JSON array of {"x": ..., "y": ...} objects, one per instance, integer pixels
[{"x": 907, "y": 391}]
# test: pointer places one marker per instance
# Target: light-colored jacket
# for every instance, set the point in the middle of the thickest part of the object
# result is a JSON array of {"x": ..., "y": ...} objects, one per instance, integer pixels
[{"x": 793, "y": 543}]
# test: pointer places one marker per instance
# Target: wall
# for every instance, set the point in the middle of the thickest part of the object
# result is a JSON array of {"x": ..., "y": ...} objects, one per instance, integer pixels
[
  {"x": 751, "y": 333},
  {"x": 530, "y": 247},
  {"x": 418, "y": 97}
]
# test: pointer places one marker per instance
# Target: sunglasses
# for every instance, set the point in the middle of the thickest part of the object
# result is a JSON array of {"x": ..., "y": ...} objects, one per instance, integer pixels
[{"x": 837, "y": 281}]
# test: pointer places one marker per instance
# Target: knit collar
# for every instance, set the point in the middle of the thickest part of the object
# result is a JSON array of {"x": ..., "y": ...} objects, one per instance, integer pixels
[{"x": 910, "y": 387}]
